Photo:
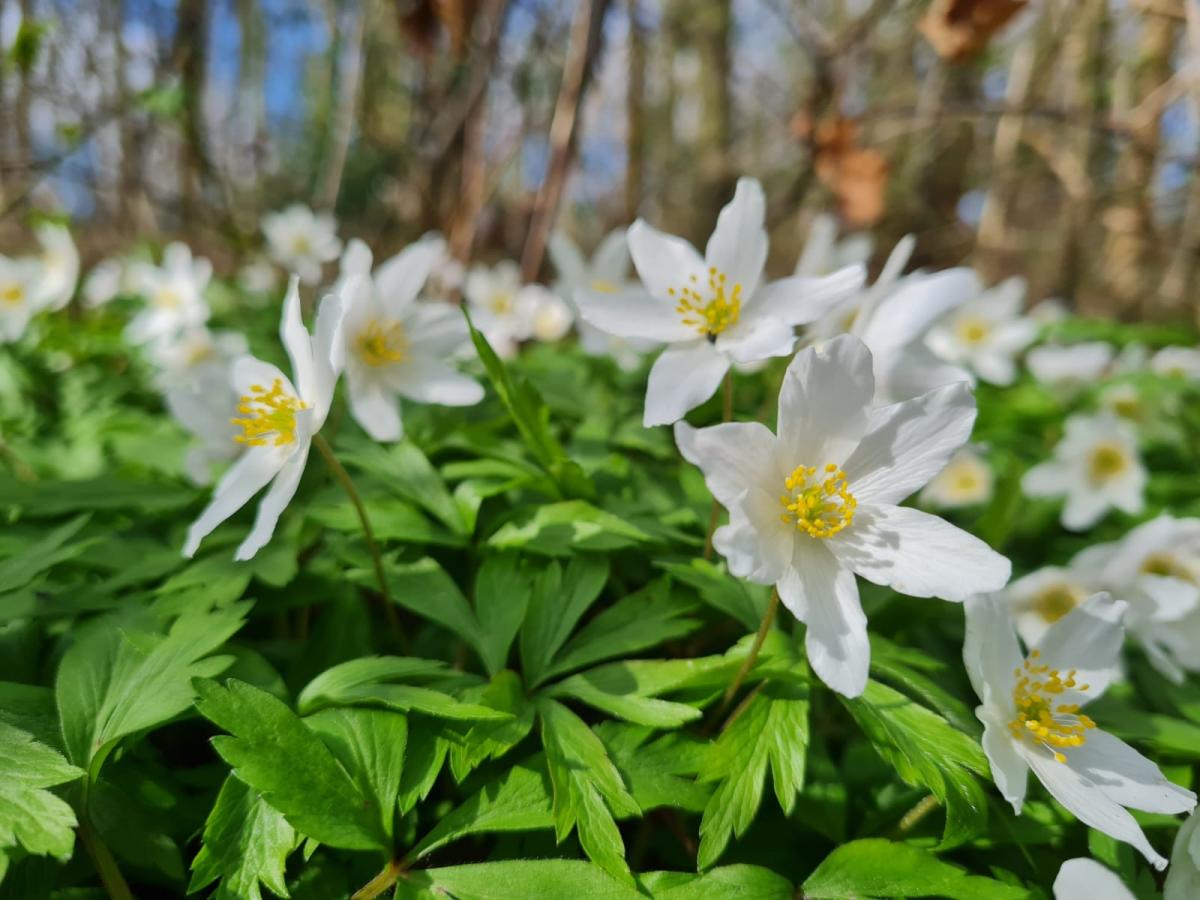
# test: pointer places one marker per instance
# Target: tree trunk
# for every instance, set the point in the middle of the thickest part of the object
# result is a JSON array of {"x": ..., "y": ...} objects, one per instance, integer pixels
[{"x": 635, "y": 114}]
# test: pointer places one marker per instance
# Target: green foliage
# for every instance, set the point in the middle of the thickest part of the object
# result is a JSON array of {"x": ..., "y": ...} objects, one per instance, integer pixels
[{"x": 32, "y": 817}]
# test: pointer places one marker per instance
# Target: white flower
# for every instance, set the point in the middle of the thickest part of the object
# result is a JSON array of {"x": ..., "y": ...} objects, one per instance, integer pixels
[
  {"x": 1132, "y": 358},
  {"x": 20, "y": 281},
  {"x": 1155, "y": 568},
  {"x": 103, "y": 283},
  {"x": 183, "y": 356},
  {"x": 1183, "y": 881},
  {"x": 278, "y": 419},
  {"x": 814, "y": 505},
  {"x": 258, "y": 276},
  {"x": 507, "y": 312},
  {"x": 60, "y": 266},
  {"x": 395, "y": 345},
  {"x": 174, "y": 295},
  {"x": 1177, "y": 362},
  {"x": 713, "y": 310},
  {"x": 967, "y": 480},
  {"x": 1086, "y": 879},
  {"x": 1032, "y": 719},
  {"x": 607, "y": 272},
  {"x": 1038, "y": 600},
  {"x": 1070, "y": 368},
  {"x": 302, "y": 241},
  {"x": 1125, "y": 401},
  {"x": 1050, "y": 311},
  {"x": 1096, "y": 466},
  {"x": 824, "y": 254},
  {"x": 446, "y": 278},
  {"x": 986, "y": 334}
]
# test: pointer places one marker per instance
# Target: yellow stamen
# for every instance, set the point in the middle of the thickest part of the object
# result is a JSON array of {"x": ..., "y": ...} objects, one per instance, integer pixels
[
  {"x": 382, "y": 344},
  {"x": 820, "y": 507},
  {"x": 1106, "y": 461},
  {"x": 166, "y": 299},
  {"x": 268, "y": 416},
  {"x": 712, "y": 311},
  {"x": 601, "y": 286},
  {"x": 1057, "y": 600},
  {"x": 1040, "y": 719},
  {"x": 972, "y": 329},
  {"x": 1168, "y": 565},
  {"x": 12, "y": 293}
]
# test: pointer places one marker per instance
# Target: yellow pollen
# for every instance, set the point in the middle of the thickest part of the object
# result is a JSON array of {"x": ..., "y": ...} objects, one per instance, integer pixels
[
  {"x": 1042, "y": 720},
  {"x": 710, "y": 311},
  {"x": 268, "y": 416},
  {"x": 381, "y": 345},
  {"x": 972, "y": 330},
  {"x": 1168, "y": 565},
  {"x": 819, "y": 506},
  {"x": 12, "y": 293},
  {"x": 601, "y": 286},
  {"x": 1106, "y": 461},
  {"x": 1057, "y": 600},
  {"x": 301, "y": 245},
  {"x": 501, "y": 303}
]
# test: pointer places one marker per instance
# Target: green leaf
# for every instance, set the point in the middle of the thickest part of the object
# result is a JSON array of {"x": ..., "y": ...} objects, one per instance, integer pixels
[
  {"x": 246, "y": 841},
  {"x": 740, "y": 599},
  {"x": 659, "y": 772},
  {"x": 428, "y": 745},
  {"x": 627, "y": 690},
  {"x": 49, "y": 499},
  {"x": 891, "y": 663},
  {"x": 588, "y": 788},
  {"x": 739, "y": 882},
  {"x": 560, "y": 598},
  {"x": 491, "y": 739},
  {"x": 424, "y": 588},
  {"x": 926, "y": 750},
  {"x": 771, "y": 731},
  {"x": 878, "y": 868},
  {"x": 277, "y": 755},
  {"x": 392, "y": 519},
  {"x": 330, "y": 687},
  {"x": 33, "y": 558},
  {"x": 502, "y": 592},
  {"x": 31, "y": 708},
  {"x": 561, "y": 529},
  {"x": 114, "y": 682},
  {"x": 407, "y": 471},
  {"x": 517, "y": 879},
  {"x": 32, "y": 817}
]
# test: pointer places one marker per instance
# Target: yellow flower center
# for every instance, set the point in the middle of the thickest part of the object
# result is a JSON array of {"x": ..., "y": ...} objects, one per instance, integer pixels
[
  {"x": 268, "y": 416},
  {"x": 166, "y": 299},
  {"x": 1056, "y": 601},
  {"x": 1039, "y": 717},
  {"x": 501, "y": 303},
  {"x": 601, "y": 286},
  {"x": 710, "y": 311},
  {"x": 1168, "y": 565},
  {"x": 380, "y": 345},
  {"x": 972, "y": 330},
  {"x": 301, "y": 245},
  {"x": 1106, "y": 461},
  {"x": 819, "y": 507},
  {"x": 12, "y": 293}
]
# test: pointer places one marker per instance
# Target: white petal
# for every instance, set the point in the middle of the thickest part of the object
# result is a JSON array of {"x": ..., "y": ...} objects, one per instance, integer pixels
[
  {"x": 1183, "y": 880},
  {"x": 818, "y": 251},
  {"x": 824, "y": 595},
  {"x": 1085, "y": 507},
  {"x": 1090, "y": 806},
  {"x": 272, "y": 505},
  {"x": 990, "y": 651},
  {"x": 248, "y": 371},
  {"x": 1010, "y": 771},
  {"x": 733, "y": 456},
  {"x": 919, "y": 554},
  {"x": 1048, "y": 479},
  {"x": 374, "y": 410},
  {"x": 995, "y": 368},
  {"x": 432, "y": 381},
  {"x": 757, "y": 549},
  {"x": 663, "y": 261},
  {"x": 1087, "y": 639},
  {"x": 567, "y": 259},
  {"x": 681, "y": 379},
  {"x": 610, "y": 262},
  {"x": 438, "y": 328},
  {"x": 756, "y": 338},
  {"x": 632, "y": 314},
  {"x": 1127, "y": 777},
  {"x": 915, "y": 305},
  {"x": 824, "y": 399},
  {"x": 1086, "y": 879},
  {"x": 738, "y": 246},
  {"x": 908, "y": 443},
  {"x": 329, "y": 355},
  {"x": 800, "y": 299},
  {"x": 298, "y": 343},
  {"x": 245, "y": 478},
  {"x": 356, "y": 258},
  {"x": 400, "y": 279}
]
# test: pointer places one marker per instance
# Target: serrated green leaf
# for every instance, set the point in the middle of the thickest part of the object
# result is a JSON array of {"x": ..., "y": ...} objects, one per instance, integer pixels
[
  {"x": 491, "y": 739},
  {"x": 36, "y": 556},
  {"x": 31, "y": 817},
  {"x": 739, "y": 882},
  {"x": 568, "y": 527},
  {"x": 246, "y": 841},
  {"x": 740, "y": 599},
  {"x": 659, "y": 772},
  {"x": 502, "y": 592},
  {"x": 517, "y": 879},
  {"x": 627, "y": 690},
  {"x": 329, "y": 687},
  {"x": 560, "y": 598},
  {"x": 424, "y": 588},
  {"x": 407, "y": 471}
]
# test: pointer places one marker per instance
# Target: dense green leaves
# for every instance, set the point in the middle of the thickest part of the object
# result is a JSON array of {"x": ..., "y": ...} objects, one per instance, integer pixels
[
  {"x": 31, "y": 817},
  {"x": 246, "y": 842}
]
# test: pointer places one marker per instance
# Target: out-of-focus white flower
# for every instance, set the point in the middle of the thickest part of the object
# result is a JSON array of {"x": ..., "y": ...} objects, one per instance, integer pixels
[
  {"x": 20, "y": 281},
  {"x": 60, "y": 266},
  {"x": 815, "y": 505},
  {"x": 446, "y": 279},
  {"x": 1176, "y": 362},
  {"x": 277, "y": 420},
  {"x": 1038, "y": 600},
  {"x": 824, "y": 254},
  {"x": 967, "y": 480},
  {"x": 180, "y": 356},
  {"x": 1032, "y": 719},
  {"x": 1067, "y": 369},
  {"x": 1096, "y": 466},
  {"x": 986, "y": 334},
  {"x": 1049, "y": 311},
  {"x": 552, "y": 317},
  {"x": 507, "y": 312},
  {"x": 258, "y": 276},
  {"x": 397, "y": 346},
  {"x": 713, "y": 310},
  {"x": 302, "y": 241},
  {"x": 1183, "y": 880},
  {"x": 103, "y": 283},
  {"x": 607, "y": 272},
  {"x": 1132, "y": 358},
  {"x": 1124, "y": 400},
  {"x": 1086, "y": 879},
  {"x": 174, "y": 295}
]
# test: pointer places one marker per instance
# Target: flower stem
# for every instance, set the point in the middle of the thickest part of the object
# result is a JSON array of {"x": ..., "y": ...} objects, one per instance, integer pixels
[
  {"x": 727, "y": 416},
  {"x": 343, "y": 478},
  {"x": 106, "y": 865},
  {"x": 751, "y": 657},
  {"x": 381, "y": 882}
]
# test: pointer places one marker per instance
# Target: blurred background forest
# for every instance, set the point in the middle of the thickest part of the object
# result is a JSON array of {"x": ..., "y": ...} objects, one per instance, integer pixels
[{"x": 1054, "y": 139}]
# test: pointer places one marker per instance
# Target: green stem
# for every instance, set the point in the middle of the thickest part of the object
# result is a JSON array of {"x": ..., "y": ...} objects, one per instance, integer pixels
[
  {"x": 748, "y": 663},
  {"x": 106, "y": 865},
  {"x": 343, "y": 478},
  {"x": 727, "y": 416},
  {"x": 381, "y": 882}
]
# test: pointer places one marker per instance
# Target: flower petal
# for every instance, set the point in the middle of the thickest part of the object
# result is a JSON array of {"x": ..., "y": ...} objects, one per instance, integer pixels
[
  {"x": 663, "y": 261},
  {"x": 245, "y": 478},
  {"x": 248, "y": 371},
  {"x": 329, "y": 355},
  {"x": 272, "y": 505},
  {"x": 738, "y": 246},
  {"x": 567, "y": 259},
  {"x": 399, "y": 280},
  {"x": 733, "y": 456},
  {"x": 919, "y": 554},
  {"x": 1010, "y": 771},
  {"x": 432, "y": 381},
  {"x": 681, "y": 379},
  {"x": 298, "y": 343},
  {"x": 1085, "y": 877},
  {"x": 908, "y": 443},
  {"x": 824, "y": 399},
  {"x": 915, "y": 305},
  {"x": 610, "y": 262},
  {"x": 990, "y": 651},
  {"x": 632, "y": 314},
  {"x": 824, "y": 595},
  {"x": 756, "y": 338},
  {"x": 801, "y": 299},
  {"x": 1127, "y": 777},
  {"x": 754, "y": 552},
  {"x": 1087, "y": 639},
  {"x": 1048, "y": 479},
  {"x": 374, "y": 410}
]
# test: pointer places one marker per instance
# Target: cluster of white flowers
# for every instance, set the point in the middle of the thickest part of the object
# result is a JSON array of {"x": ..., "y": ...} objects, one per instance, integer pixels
[{"x": 31, "y": 284}]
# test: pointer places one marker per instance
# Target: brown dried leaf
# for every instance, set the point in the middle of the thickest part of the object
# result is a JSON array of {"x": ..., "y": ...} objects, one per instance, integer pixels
[
  {"x": 959, "y": 29},
  {"x": 857, "y": 176}
]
